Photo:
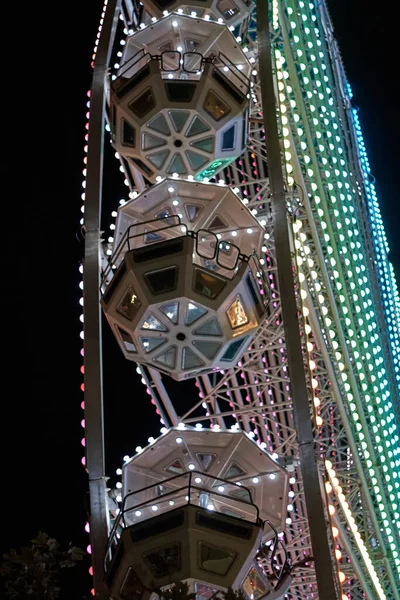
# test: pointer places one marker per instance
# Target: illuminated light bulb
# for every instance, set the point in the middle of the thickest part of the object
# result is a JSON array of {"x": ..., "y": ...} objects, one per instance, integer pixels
[
  {"x": 272, "y": 476},
  {"x": 119, "y": 471},
  {"x": 338, "y": 554},
  {"x": 335, "y": 531},
  {"x": 119, "y": 485},
  {"x": 175, "y": 24},
  {"x": 191, "y": 466},
  {"x": 221, "y": 488},
  {"x": 255, "y": 480},
  {"x": 138, "y": 513},
  {"x": 154, "y": 508},
  {"x": 198, "y": 479},
  {"x": 210, "y": 507},
  {"x": 332, "y": 509},
  {"x": 179, "y": 440},
  {"x": 171, "y": 503},
  {"x": 342, "y": 576}
]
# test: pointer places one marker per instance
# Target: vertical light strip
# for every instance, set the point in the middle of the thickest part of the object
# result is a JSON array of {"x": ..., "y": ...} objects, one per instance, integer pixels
[{"x": 354, "y": 529}]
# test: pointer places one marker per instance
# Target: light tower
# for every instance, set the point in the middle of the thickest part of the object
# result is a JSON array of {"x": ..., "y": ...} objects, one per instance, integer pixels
[{"x": 244, "y": 262}]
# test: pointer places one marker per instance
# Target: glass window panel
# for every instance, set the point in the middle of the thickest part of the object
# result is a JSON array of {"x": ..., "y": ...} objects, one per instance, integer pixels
[
  {"x": 208, "y": 349},
  {"x": 190, "y": 360},
  {"x": 177, "y": 165},
  {"x": 159, "y": 123},
  {"x": 204, "y": 592},
  {"x": 215, "y": 106},
  {"x": 216, "y": 560},
  {"x": 180, "y": 91},
  {"x": 164, "y": 561},
  {"x": 158, "y": 158},
  {"x": 151, "y": 141},
  {"x": 236, "y": 314},
  {"x": 171, "y": 311},
  {"x": 194, "y": 312},
  {"x": 207, "y": 284},
  {"x": 164, "y": 214},
  {"x": 217, "y": 223},
  {"x": 254, "y": 586},
  {"x": 128, "y": 134},
  {"x": 196, "y": 160},
  {"x": 192, "y": 211},
  {"x": 162, "y": 280},
  {"x": 150, "y": 344},
  {"x": 205, "y": 460},
  {"x": 178, "y": 118},
  {"x": 151, "y": 236},
  {"x": 233, "y": 349},
  {"x": 227, "y": 8},
  {"x": 129, "y": 304},
  {"x": 192, "y": 45},
  {"x": 153, "y": 324},
  {"x": 167, "y": 358},
  {"x": 175, "y": 467},
  {"x": 228, "y": 138},
  {"x": 206, "y": 144},
  {"x": 234, "y": 470},
  {"x": 126, "y": 340},
  {"x": 143, "y": 104},
  {"x": 197, "y": 126},
  {"x": 211, "y": 327}
]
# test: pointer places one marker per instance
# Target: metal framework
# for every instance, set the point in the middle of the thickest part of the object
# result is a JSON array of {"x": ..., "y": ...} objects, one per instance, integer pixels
[{"x": 345, "y": 302}]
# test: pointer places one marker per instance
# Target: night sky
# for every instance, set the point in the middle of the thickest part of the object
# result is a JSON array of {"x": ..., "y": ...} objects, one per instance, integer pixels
[{"x": 44, "y": 485}]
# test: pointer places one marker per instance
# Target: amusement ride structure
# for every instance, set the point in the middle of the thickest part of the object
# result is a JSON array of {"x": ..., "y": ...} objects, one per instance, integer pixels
[{"x": 248, "y": 260}]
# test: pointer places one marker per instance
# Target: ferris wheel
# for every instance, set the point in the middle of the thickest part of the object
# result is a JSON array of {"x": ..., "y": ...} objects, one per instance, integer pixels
[{"x": 212, "y": 276}]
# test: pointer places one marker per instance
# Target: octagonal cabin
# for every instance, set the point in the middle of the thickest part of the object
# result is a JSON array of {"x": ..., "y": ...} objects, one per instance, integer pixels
[
  {"x": 172, "y": 206},
  {"x": 196, "y": 507},
  {"x": 168, "y": 312},
  {"x": 179, "y": 104},
  {"x": 232, "y": 473}
]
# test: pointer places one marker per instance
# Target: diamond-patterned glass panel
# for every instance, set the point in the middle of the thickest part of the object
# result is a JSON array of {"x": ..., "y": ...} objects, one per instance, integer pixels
[
  {"x": 194, "y": 312},
  {"x": 170, "y": 310},
  {"x": 190, "y": 360},
  {"x": 153, "y": 324},
  {"x": 196, "y": 160},
  {"x": 160, "y": 124},
  {"x": 211, "y": 327},
  {"x": 151, "y": 141},
  {"x": 177, "y": 165},
  {"x": 178, "y": 118},
  {"x": 205, "y": 144},
  {"x": 149, "y": 344},
  {"x": 167, "y": 358},
  {"x": 158, "y": 158},
  {"x": 208, "y": 349},
  {"x": 197, "y": 126}
]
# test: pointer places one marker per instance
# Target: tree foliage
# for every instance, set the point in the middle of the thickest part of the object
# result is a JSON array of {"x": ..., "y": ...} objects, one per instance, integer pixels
[{"x": 35, "y": 571}]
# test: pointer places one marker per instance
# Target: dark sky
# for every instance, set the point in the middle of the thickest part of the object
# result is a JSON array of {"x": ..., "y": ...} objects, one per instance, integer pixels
[{"x": 44, "y": 486}]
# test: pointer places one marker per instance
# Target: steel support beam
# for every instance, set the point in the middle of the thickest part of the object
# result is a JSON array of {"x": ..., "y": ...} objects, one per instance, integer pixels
[
  {"x": 326, "y": 581},
  {"x": 94, "y": 430}
]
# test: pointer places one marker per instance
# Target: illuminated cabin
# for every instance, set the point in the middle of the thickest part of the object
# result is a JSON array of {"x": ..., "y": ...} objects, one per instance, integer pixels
[
  {"x": 196, "y": 506},
  {"x": 170, "y": 313},
  {"x": 179, "y": 104},
  {"x": 230, "y": 12},
  {"x": 192, "y": 206}
]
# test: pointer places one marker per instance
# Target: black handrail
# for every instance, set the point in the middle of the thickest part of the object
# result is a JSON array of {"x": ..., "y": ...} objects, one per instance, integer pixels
[
  {"x": 240, "y": 257},
  {"x": 120, "y": 520},
  {"x": 224, "y": 61}
]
